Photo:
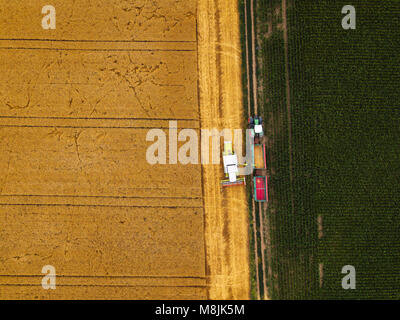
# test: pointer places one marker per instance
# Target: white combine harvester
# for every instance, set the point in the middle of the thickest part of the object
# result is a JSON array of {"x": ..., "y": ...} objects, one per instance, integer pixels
[{"x": 231, "y": 167}]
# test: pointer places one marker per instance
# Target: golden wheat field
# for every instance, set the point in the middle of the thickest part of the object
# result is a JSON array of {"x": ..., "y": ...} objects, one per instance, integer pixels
[{"x": 76, "y": 190}]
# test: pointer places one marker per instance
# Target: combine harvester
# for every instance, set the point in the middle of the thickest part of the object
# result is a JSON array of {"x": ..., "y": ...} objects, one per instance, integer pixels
[
  {"x": 231, "y": 167},
  {"x": 260, "y": 180},
  {"x": 259, "y": 162}
]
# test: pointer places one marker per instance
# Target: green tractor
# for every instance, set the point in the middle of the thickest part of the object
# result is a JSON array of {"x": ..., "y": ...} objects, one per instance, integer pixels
[{"x": 255, "y": 124}]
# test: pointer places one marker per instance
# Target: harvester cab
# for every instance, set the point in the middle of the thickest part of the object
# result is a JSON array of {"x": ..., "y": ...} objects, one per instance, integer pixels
[{"x": 231, "y": 167}]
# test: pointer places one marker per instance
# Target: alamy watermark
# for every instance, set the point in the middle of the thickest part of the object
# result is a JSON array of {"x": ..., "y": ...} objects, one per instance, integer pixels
[
  {"x": 349, "y": 280},
  {"x": 196, "y": 149},
  {"x": 49, "y": 20},
  {"x": 349, "y": 20},
  {"x": 49, "y": 280}
]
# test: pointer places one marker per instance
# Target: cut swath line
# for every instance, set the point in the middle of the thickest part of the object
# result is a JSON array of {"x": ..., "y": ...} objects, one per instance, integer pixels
[
  {"x": 321, "y": 274},
  {"x": 320, "y": 227}
]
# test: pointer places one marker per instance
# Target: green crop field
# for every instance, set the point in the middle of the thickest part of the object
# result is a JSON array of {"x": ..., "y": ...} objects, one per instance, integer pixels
[{"x": 333, "y": 146}]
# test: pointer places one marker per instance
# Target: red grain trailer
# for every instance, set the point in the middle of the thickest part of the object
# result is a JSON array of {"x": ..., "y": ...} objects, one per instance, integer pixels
[{"x": 261, "y": 189}]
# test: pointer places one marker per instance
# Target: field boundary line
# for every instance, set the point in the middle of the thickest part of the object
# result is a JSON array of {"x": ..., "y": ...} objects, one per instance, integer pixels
[
  {"x": 202, "y": 169},
  {"x": 249, "y": 114},
  {"x": 80, "y": 127},
  {"x": 97, "y": 49},
  {"x": 89, "y": 118},
  {"x": 104, "y": 276},
  {"x": 87, "y": 40},
  {"x": 94, "y": 196},
  {"x": 104, "y": 285},
  {"x": 91, "y": 205}
]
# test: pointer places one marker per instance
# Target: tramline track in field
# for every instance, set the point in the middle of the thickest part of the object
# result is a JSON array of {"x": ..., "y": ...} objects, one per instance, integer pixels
[{"x": 252, "y": 108}]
